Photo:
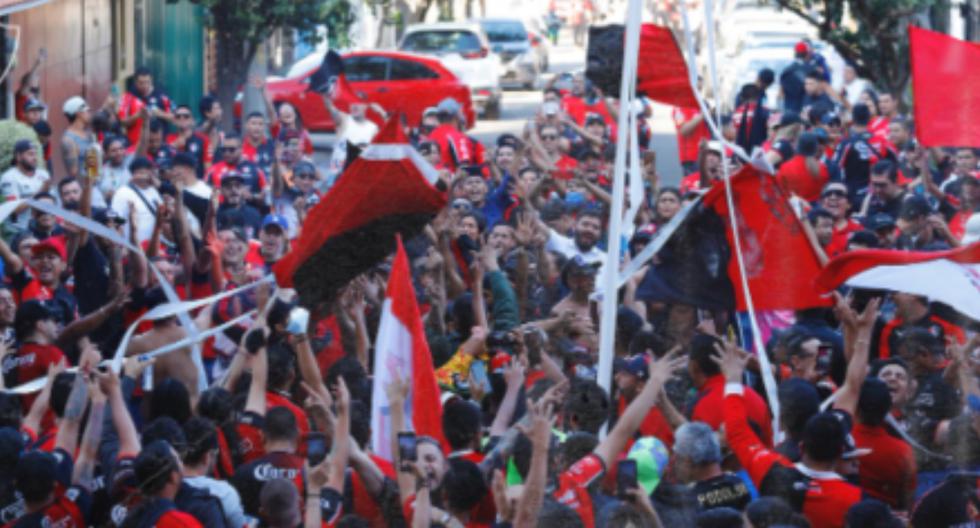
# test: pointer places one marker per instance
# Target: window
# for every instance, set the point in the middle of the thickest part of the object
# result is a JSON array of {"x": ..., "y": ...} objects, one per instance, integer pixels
[
  {"x": 366, "y": 68},
  {"x": 442, "y": 41},
  {"x": 505, "y": 31},
  {"x": 404, "y": 70}
]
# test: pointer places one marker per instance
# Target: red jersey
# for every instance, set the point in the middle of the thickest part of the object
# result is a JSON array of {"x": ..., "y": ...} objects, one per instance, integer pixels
[
  {"x": 793, "y": 176},
  {"x": 68, "y": 510},
  {"x": 653, "y": 425},
  {"x": 453, "y": 145},
  {"x": 838, "y": 241},
  {"x": 573, "y": 486},
  {"x": 31, "y": 361},
  {"x": 691, "y": 182},
  {"x": 274, "y": 399},
  {"x": 566, "y": 167},
  {"x": 688, "y": 146},
  {"x": 708, "y": 408},
  {"x": 888, "y": 472},
  {"x": 365, "y": 504},
  {"x": 823, "y": 497},
  {"x": 305, "y": 143}
]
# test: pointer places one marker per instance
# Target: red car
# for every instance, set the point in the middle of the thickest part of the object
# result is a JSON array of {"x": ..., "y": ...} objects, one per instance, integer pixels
[{"x": 399, "y": 82}]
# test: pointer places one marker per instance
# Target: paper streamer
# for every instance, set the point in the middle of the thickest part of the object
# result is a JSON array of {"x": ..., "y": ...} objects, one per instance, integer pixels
[
  {"x": 37, "y": 384},
  {"x": 174, "y": 308}
]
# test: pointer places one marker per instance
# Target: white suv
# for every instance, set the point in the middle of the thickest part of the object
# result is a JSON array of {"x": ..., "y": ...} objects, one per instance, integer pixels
[{"x": 464, "y": 49}]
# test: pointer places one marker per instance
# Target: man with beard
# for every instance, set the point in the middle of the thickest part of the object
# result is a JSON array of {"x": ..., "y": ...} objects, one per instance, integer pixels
[
  {"x": 23, "y": 180},
  {"x": 139, "y": 199},
  {"x": 233, "y": 162},
  {"x": 145, "y": 101},
  {"x": 585, "y": 236},
  {"x": 187, "y": 140}
]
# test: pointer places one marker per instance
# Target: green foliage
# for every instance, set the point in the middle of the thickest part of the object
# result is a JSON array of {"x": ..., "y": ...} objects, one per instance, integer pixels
[
  {"x": 12, "y": 131},
  {"x": 874, "y": 37},
  {"x": 252, "y": 21}
]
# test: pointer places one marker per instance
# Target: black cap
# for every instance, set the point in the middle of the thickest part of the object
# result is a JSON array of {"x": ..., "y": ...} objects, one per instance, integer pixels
[
  {"x": 32, "y": 311},
  {"x": 183, "y": 159},
  {"x": 23, "y": 145},
  {"x": 508, "y": 139},
  {"x": 140, "y": 163},
  {"x": 578, "y": 266},
  {"x": 37, "y": 471},
  {"x": 875, "y": 401},
  {"x": 799, "y": 400},
  {"x": 824, "y": 437},
  {"x": 864, "y": 238},
  {"x": 879, "y": 221},
  {"x": 230, "y": 176},
  {"x": 808, "y": 144},
  {"x": 914, "y": 206},
  {"x": 106, "y": 215}
]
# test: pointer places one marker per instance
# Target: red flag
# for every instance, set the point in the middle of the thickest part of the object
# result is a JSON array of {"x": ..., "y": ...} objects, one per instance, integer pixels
[
  {"x": 944, "y": 74},
  {"x": 780, "y": 263},
  {"x": 389, "y": 189},
  {"x": 661, "y": 70},
  {"x": 401, "y": 351}
]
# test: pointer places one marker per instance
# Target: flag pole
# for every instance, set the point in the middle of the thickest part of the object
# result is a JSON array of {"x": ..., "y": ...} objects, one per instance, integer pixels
[{"x": 610, "y": 276}]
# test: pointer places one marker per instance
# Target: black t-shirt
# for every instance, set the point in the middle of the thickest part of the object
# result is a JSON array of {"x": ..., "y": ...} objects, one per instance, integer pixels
[
  {"x": 855, "y": 156},
  {"x": 249, "y": 478},
  {"x": 723, "y": 491},
  {"x": 792, "y": 81},
  {"x": 934, "y": 401}
]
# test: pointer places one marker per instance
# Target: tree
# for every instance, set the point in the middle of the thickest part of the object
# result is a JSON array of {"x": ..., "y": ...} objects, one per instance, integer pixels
[
  {"x": 877, "y": 44},
  {"x": 241, "y": 26}
]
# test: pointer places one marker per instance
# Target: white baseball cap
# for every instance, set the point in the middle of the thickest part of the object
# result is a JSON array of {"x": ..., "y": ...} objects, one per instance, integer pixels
[{"x": 74, "y": 105}]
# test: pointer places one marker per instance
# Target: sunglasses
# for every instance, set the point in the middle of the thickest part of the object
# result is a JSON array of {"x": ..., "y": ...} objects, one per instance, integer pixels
[
  {"x": 837, "y": 194},
  {"x": 183, "y": 116},
  {"x": 879, "y": 185},
  {"x": 549, "y": 137},
  {"x": 306, "y": 175},
  {"x": 229, "y": 149}
]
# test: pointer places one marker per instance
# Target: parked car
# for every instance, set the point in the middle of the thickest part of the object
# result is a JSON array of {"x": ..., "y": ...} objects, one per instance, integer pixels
[
  {"x": 464, "y": 49},
  {"x": 512, "y": 42},
  {"x": 397, "y": 81}
]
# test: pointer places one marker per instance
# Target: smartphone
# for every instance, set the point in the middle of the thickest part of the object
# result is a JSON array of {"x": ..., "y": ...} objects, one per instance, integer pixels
[
  {"x": 316, "y": 447},
  {"x": 407, "y": 447},
  {"x": 478, "y": 369},
  {"x": 625, "y": 477}
]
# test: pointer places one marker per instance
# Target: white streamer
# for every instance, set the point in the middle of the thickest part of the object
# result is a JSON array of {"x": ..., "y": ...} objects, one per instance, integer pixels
[{"x": 768, "y": 380}]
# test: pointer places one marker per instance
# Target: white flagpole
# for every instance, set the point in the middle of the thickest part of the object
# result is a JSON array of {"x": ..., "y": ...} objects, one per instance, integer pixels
[{"x": 607, "y": 327}]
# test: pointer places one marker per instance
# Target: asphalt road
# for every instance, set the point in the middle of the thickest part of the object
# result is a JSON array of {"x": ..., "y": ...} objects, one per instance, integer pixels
[{"x": 519, "y": 106}]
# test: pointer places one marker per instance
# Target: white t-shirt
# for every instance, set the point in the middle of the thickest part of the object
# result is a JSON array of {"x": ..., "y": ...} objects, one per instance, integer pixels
[
  {"x": 112, "y": 178},
  {"x": 231, "y": 502},
  {"x": 567, "y": 246},
  {"x": 200, "y": 189},
  {"x": 14, "y": 185},
  {"x": 145, "y": 217},
  {"x": 357, "y": 132}
]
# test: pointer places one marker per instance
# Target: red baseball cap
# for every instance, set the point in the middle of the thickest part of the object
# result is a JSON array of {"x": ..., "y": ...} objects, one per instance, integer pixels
[
  {"x": 802, "y": 47},
  {"x": 55, "y": 244}
]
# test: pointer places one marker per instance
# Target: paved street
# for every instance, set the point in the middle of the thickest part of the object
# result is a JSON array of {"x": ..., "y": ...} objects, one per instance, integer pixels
[{"x": 519, "y": 106}]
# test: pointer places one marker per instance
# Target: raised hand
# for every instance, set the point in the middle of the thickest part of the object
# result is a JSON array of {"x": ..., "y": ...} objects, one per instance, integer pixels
[
  {"x": 664, "y": 368},
  {"x": 731, "y": 361}
]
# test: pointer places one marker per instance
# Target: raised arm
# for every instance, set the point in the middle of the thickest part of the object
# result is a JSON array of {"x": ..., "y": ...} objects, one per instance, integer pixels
[
  {"x": 660, "y": 371},
  {"x": 857, "y": 337},
  {"x": 542, "y": 419},
  {"x": 67, "y": 436},
  {"x": 255, "y": 402},
  {"x": 84, "y": 471}
]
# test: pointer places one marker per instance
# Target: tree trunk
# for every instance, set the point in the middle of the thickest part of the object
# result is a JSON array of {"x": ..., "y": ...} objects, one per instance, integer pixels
[{"x": 233, "y": 59}]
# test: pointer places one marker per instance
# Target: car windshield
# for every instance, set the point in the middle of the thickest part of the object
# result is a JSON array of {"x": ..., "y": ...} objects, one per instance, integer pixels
[
  {"x": 441, "y": 41},
  {"x": 499, "y": 31}
]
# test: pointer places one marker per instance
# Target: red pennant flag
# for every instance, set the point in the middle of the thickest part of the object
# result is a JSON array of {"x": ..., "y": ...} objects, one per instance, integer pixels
[
  {"x": 944, "y": 74},
  {"x": 662, "y": 71},
  {"x": 402, "y": 352},
  {"x": 780, "y": 263},
  {"x": 388, "y": 189}
]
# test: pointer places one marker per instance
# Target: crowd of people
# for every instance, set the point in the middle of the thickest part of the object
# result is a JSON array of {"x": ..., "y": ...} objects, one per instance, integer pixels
[{"x": 272, "y": 426}]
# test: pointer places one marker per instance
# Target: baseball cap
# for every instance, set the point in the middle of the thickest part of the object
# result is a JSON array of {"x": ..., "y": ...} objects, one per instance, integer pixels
[
  {"x": 830, "y": 118},
  {"x": 850, "y": 451},
  {"x": 635, "y": 365},
  {"x": 275, "y": 220},
  {"x": 31, "y": 311},
  {"x": 11, "y": 445},
  {"x": 508, "y": 139},
  {"x": 34, "y": 104},
  {"x": 879, "y": 221},
  {"x": 106, "y": 215},
  {"x": 448, "y": 106},
  {"x": 74, "y": 105},
  {"x": 37, "y": 467},
  {"x": 914, "y": 206},
  {"x": 594, "y": 118},
  {"x": 183, "y": 159},
  {"x": 23, "y": 145},
  {"x": 799, "y": 400},
  {"x": 578, "y": 266},
  {"x": 55, "y": 244},
  {"x": 808, "y": 144},
  {"x": 430, "y": 111},
  {"x": 833, "y": 187},
  {"x": 230, "y": 176},
  {"x": 863, "y": 238},
  {"x": 801, "y": 47}
]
